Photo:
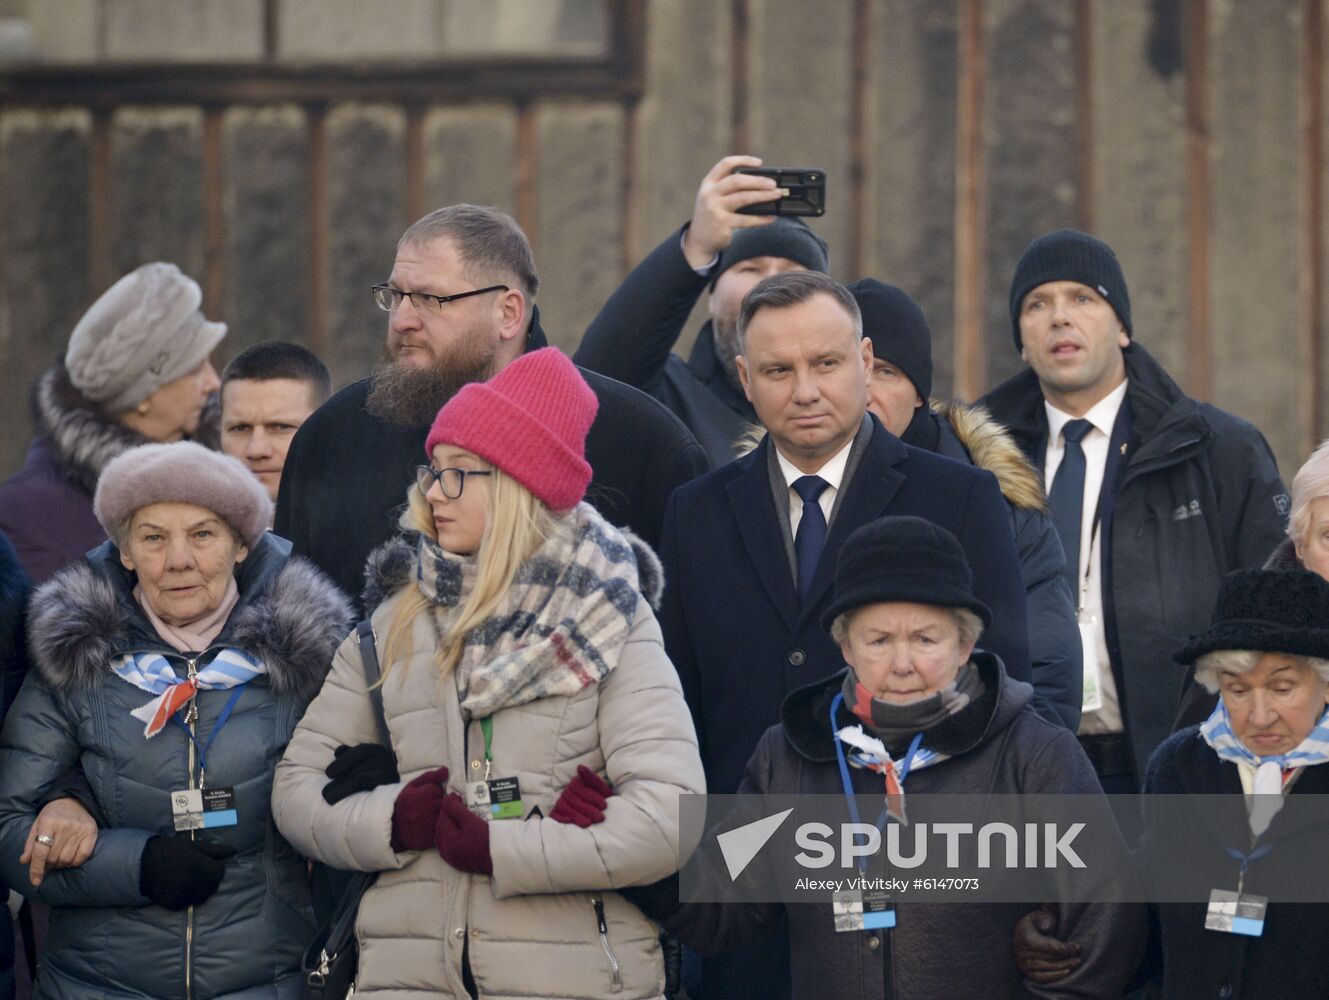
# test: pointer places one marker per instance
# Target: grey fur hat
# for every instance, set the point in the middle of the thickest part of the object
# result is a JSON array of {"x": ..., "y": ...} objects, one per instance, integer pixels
[
  {"x": 182, "y": 472},
  {"x": 143, "y": 332}
]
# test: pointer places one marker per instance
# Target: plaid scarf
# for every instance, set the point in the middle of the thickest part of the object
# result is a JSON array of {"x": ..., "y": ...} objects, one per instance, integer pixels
[
  {"x": 152, "y": 672},
  {"x": 560, "y": 627}
]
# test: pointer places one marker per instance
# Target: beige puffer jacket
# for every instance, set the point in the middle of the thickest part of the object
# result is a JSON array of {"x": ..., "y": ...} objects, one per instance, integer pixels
[{"x": 532, "y": 930}]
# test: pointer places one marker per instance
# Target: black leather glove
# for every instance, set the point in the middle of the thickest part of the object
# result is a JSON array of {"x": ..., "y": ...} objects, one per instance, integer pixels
[
  {"x": 358, "y": 769},
  {"x": 176, "y": 872}
]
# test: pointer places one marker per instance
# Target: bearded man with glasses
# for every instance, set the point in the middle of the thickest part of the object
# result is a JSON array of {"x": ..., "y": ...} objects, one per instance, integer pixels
[{"x": 460, "y": 304}]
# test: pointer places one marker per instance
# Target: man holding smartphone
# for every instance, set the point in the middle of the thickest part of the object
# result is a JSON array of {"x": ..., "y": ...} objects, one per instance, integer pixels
[{"x": 725, "y": 252}]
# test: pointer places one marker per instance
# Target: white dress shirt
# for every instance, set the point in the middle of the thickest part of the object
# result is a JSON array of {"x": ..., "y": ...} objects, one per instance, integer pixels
[
  {"x": 832, "y": 472},
  {"x": 1089, "y": 595}
]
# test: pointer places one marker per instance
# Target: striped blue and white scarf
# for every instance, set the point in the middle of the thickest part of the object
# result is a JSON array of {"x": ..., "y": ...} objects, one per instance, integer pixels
[
  {"x": 1267, "y": 785},
  {"x": 152, "y": 672}
]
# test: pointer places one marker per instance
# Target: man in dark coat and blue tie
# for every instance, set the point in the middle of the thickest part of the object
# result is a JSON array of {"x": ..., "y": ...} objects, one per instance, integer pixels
[{"x": 749, "y": 549}]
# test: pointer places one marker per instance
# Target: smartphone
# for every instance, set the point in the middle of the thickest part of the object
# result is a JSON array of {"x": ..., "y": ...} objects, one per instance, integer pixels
[{"x": 807, "y": 191}]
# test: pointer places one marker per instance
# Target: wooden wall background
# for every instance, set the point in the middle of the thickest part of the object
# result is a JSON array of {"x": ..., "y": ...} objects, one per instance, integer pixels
[{"x": 1187, "y": 133}]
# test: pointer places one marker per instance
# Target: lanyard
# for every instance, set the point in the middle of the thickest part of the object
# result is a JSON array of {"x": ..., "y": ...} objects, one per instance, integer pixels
[
  {"x": 848, "y": 784},
  {"x": 487, "y": 727},
  {"x": 1243, "y": 860},
  {"x": 216, "y": 728}
]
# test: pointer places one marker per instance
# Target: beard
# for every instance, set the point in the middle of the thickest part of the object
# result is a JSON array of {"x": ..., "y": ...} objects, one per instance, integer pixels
[
  {"x": 409, "y": 396},
  {"x": 724, "y": 333}
]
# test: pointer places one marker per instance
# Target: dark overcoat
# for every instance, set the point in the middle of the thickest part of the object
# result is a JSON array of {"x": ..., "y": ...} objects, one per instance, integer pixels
[
  {"x": 1289, "y": 959},
  {"x": 732, "y": 620}
]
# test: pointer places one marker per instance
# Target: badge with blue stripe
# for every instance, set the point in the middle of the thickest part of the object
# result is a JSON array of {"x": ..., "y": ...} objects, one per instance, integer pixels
[{"x": 1236, "y": 913}]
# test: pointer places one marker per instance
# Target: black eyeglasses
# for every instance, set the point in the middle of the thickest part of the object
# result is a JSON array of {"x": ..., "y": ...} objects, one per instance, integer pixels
[
  {"x": 450, "y": 481},
  {"x": 389, "y": 299}
]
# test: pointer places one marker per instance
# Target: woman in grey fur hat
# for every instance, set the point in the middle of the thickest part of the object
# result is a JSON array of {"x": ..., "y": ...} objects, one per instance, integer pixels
[
  {"x": 171, "y": 664},
  {"x": 136, "y": 371}
]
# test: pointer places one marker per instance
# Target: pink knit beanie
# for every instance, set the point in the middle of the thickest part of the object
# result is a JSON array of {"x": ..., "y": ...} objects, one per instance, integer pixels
[{"x": 530, "y": 420}]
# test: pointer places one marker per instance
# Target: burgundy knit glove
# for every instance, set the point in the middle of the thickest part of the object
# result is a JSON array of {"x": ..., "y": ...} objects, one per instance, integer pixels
[
  {"x": 416, "y": 811},
  {"x": 583, "y": 801},
  {"x": 463, "y": 837}
]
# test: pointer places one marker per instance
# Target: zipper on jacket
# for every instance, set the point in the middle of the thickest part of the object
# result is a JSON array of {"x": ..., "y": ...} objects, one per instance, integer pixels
[
  {"x": 615, "y": 975},
  {"x": 191, "y": 720}
]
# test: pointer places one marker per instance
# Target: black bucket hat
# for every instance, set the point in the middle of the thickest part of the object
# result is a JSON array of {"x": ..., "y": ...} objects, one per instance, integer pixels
[
  {"x": 903, "y": 559},
  {"x": 1270, "y": 611}
]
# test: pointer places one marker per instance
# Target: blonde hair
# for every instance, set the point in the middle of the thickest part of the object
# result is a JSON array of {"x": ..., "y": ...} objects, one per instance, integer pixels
[
  {"x": 1310, "y": 483},
  {"x": 516, "y": 525}
]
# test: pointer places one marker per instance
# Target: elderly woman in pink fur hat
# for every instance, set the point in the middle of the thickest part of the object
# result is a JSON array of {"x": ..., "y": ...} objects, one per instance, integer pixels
[{"x": 171, "y": 665}]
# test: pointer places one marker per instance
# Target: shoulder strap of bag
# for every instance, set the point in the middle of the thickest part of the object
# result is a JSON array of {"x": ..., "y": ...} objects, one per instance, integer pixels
[
  {"x": 369, "y": 659},
  {"x": 336, "y": 938}
]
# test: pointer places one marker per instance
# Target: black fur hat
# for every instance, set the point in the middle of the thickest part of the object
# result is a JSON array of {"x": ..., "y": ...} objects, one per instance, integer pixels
[{"x": 1270, "y": 611}]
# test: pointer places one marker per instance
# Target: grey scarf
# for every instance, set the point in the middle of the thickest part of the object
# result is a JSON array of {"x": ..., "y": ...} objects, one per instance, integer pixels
[{"x": 897, "y": 724}]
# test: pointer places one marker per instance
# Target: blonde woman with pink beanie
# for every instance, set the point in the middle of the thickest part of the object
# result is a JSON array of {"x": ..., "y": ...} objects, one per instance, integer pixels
[{"x": 518, "y": 649}]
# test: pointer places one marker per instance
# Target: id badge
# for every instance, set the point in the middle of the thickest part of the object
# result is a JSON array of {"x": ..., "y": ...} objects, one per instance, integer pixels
[
  {"x": 847, "y": 909},
  {"x": 476, "y": 794},
  {"x": 878, "y": 910},
  {"x": 504, "y": 798},
  {"x": 1236, "y": 913},
  {"x": 1093, "y": 672},
  {"x": 497, "y": 798},
  {"x": 203, "y": 808}
]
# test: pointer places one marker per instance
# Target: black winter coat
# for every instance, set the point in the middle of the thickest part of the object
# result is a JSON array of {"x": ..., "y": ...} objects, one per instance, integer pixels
[
  {"x": 632, "y": 340},
  {"x": 1289, "y": 959},
  {"x": 346, "y": 475},
  {"x": 1197, "y": 497},
  {"x": 998, "y": 746}
]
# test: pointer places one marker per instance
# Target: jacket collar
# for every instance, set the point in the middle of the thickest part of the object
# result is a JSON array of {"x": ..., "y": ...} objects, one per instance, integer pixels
[
  {"x": 1284, "y": 557},
  {"x": 80, "y": 438},
  {"x": 1167, "y": 421},
  {"x": 872, "y": 484},
  {"x": 289, "y": 614},
  {"x": 805, "y": 714},
  {"x": 705, "y": 364}
]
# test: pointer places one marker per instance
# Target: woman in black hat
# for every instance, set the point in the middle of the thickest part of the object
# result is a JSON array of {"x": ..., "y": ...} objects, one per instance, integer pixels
[
  {"x": 1227, "y": 821},
  {"x": 943, "y": 717}
]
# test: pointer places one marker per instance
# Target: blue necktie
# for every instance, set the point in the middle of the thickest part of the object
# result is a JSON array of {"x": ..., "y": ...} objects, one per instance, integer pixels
[
  {"x": 811, "y": 536},
  {"x": 1067, "y": 499}
]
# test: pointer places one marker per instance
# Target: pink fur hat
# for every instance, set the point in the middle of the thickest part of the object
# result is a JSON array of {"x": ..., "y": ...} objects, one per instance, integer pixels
[{"x": 182, "y": 472}]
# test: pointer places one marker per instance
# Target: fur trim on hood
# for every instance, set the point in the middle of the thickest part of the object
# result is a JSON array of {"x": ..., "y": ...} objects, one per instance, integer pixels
[
  {"x": 82, "y": 438},
  {"x": 991, "y": 447},
  {"x": 78, "y": 621},
  {"x": 391, "y": 566}
]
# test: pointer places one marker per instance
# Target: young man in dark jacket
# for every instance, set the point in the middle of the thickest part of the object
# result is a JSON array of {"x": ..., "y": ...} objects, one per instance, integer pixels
[
  {"x": 726, "y": 253},
  {"x": 460, "y": 306},
  {"x": 1156, "y": 496}
]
